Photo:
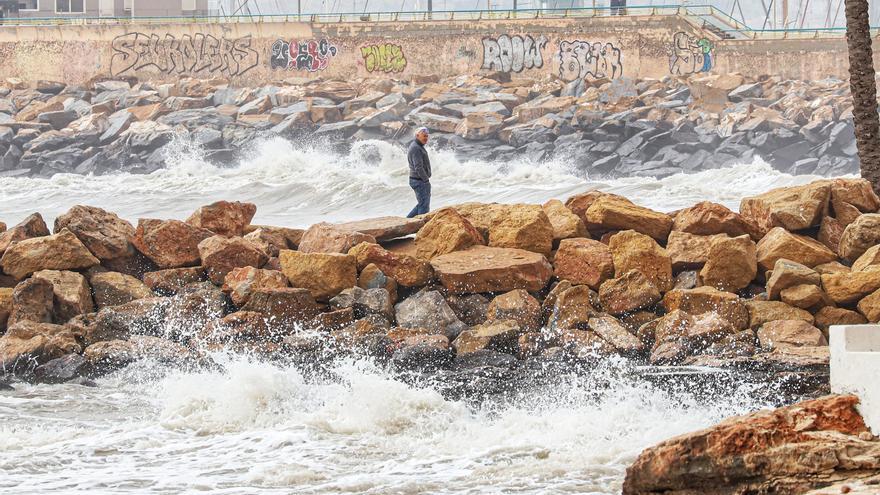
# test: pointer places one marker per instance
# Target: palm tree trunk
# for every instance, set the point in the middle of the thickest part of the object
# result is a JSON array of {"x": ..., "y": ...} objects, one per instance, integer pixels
[{"x": 863, "y": 89}]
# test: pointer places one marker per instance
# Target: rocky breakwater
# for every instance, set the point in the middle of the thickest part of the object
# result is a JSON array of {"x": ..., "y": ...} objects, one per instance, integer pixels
[
  {"x": 495, "y": 286},
  {"x": 602, "y": 128},
  {"x": 817, "y": 447}
]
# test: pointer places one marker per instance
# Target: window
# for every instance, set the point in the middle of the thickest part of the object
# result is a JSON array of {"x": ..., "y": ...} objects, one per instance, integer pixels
[
  {"x": 187, "y": 5},
  {"x": 70, "y": 6},
  {"x": 28, "y": 5}
]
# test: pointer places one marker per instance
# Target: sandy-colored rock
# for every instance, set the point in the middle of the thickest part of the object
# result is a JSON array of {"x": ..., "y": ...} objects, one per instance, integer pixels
[
  {"x": 293, "y": 236},
  {"x": 523, "y": 227},
  {"x": 241, "y": 282},
  {"x": 761, "y": 312},
  {"x": 870, "y": 306},
  {"x": 830, "y": 315},
  {"x": 609, "y": 213},
  {"x": 220, "y": 254},
  {"x": 113, "y": 288},
  {"x": 630, "y": 291},
  {"x": 787, "y": 273},
  {"x": 860, "y": 236},
  {"x": 326, "y": 238},
  {"x": 792, "y": 208},
  {"x": 72, "y": 295},
  {"x": 324, "y": 274},
  {"x": 583, "y": 261},
  {"x": 848, "y": 288},
  {"x": 762, "y": 452},
  {"x": 498, "y": 335},
  {"x": 519, "y": 306},
  {"x": 802, "y": 296},
  {"x": 566, "y": 224},
  {"x": 572, "y": 307},
  {"x": 169, "y": 243},
  {"x": 489, "y": 269},
  {"x": 224, "y": 217},
  {"x": 832, "y": 267},
  {"x": 27, "y": 344},
  {"x": 104, "y": 234},
  {"x": 32, "y": 226},
  {"x": 784, "y": 333},
  {"x": 282, "y": 306},
  {"x": 707, "y": 299},
  {"x": 406, "y": 270},
  {"x": 483, "y": 216},
  {"x": 871, "y": 257},
  {"x": 271, "y": 241},
  {"x": 62, "y": 251},
  {"x": 706, "y": 218},
  {"x": 580, "y": 203},
  {"x": 671, "y": 338},
  {"x": 780, "y": 243},
  {"x": 732, "y": 263},
  {"x": 32, "y": 300},
  {"x": 384, "y": 228},
  {"x": 173, "y": 279},
  {"x": 634, "y": 251},
  {"x": 857, "y": 192},
  {"x": 372, "y": 277},
  {"x": 689, "y": 251},
  {"x": 447, "y": 231},
  {"x": 830, "y": 232},
  {"x": 5, "y": 307},
  {"x": 611, "y": 331},
  {"x": 586, "y": 344}
]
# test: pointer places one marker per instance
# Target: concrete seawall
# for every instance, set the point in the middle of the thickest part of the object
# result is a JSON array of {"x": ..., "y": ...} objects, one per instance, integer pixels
[{"x": 260, "y": 53}]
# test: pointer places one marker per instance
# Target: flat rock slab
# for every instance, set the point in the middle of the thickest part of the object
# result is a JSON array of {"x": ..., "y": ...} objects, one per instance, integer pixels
[
  {"x": 490, "y": 269},
  {"x": 383, "y": 228}
]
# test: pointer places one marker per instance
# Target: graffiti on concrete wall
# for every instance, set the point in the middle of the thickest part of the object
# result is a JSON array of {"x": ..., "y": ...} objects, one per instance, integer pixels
[
  {"x": 513, "y": 53},
  {"x": 199, "y": 53},
  {"x": 690, "y": 55},
  {"x": 308, "y": 55},
  {"x": 583, "y": 59},
  {"x": 383, "y": 57}
]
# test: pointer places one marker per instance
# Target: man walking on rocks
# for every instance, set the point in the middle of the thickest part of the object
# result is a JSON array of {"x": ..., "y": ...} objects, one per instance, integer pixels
[{"x": 420, "y": 172}]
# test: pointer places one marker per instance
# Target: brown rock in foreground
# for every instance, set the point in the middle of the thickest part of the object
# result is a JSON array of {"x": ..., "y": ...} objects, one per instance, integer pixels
[
  {"x": 62, "y": 251},
  {"x": 224, "y": 217},
  {"x": 793, "y": 208},
  {"x": 328, "y": 238},
  {"x": 489, "y": 269},
  {"x": 447, "y": 231},
  {"x": 30, "y": 227},
  {"x": 383, "y": 228},
  {"x": 406, "y": 270},
  {"x": 789, "y": 450},
  {"x": 610, "y": 213},
  {"x": 169, "y": 243},
  {"x": 583, "y": 261},
  {"x": 105, "y": 234},
  {"x": 324, "y": 274}
]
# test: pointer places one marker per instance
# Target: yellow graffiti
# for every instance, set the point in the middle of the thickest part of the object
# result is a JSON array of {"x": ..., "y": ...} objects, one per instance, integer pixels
[{"x": 385, "y": 57}]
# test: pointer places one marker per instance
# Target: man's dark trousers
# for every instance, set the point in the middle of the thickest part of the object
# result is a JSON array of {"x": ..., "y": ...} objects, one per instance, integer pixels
[{"x": 423, "y": 196}]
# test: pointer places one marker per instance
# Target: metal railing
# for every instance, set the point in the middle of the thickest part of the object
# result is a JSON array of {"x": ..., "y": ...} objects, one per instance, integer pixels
[{"x": 720, "y": 21}]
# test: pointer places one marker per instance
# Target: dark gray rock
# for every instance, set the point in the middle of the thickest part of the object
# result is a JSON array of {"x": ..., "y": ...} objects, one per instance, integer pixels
[{"x": 60, "y": 370}]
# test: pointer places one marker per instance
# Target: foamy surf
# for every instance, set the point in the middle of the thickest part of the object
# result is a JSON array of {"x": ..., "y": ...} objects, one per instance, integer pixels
[
  {"x": 265, "y": 428},
  {"x": 297, "y": 185}
]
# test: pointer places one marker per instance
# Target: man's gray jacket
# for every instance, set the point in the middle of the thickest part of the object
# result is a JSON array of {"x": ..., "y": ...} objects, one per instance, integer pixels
[{"x": 419, "y": 164}]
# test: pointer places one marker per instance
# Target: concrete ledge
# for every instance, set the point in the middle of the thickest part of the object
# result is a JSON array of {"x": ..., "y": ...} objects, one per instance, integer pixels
[{"x": 855, "y": 367}]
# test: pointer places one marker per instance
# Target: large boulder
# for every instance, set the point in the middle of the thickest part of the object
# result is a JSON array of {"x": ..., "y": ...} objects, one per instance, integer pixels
[
  {"x": 406, "y": 270},
  {"x": 324, "y": 274},
  {"x": 583, "y": 261},
  {"x": 220, "y": 254},
  {"x": 689, "y": 251},
  {"x": 611, "y": 331},
  {"x": 241, "y": 282},
  {"x": 169, "y": 243},
  {"x": 365, "y": 303},
  {"x": 608, "y": 212},
  {"x": 732, "y": 263},
  {"x": 72, "y": 294},
  {"x": 765, "y": 451},
  {"x": 328, "y": 238},
  {"x": 282, "y": 306},
  {"x": 114, "y": 288},
  {"x": 706, "y": 299},
  {"x": 569, "y": 307},
  {"x": 428, "y": 310},
  {"x": 761, "y": 312},
  {"x": 104, "y": 234},
  {"x": 523, "y": 227},
  {"x": 32, "y": 226},
  {"x": 849, "y": 287},
  {"x": 870, "y": 306},
  {"x": 62, "y": 251},
  {"x": 630, "y": 291},
  {"x": 490, "y": 269},
  {"x": 32, "y": 300},
  {"x": 447, "y": 231},
  {"x": 871, "y": 257},
  {"x": 5, "y": 306},
  {"x": 383, "y": 228},
  {"x": 856, "y": 192},
  {"x": 566, "y": 224},
  {"x": 780, "y": 243},
  {"x": 634, "y": 251},
  {"x": 786, "y": 274},
  {"x": 28, "y": 344},
  {"x": 791, "y": 208},
  {"x": 173, "y": 279},
  {"x": 706, "y": 218},
  {"x": 498, "y": 335},
  {"x": 519, "y": 306},
  {"x": 223, "y": 217},
  {"x": 786, "y": 333},
  {"x": 270, "y": 240},
  {"x": 859, "y": 236}
]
